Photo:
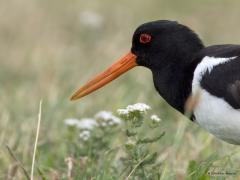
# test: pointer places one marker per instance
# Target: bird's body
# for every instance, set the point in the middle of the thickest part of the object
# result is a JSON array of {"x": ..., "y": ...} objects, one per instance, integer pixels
[
  {"x": 183, "y": 67},
  {"x": 213, "y": 76},
  {"x": 216, "y": 80}
]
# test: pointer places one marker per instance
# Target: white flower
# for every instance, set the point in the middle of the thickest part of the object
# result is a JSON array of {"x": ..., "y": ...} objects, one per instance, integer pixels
[
  {"x": 87, "y": 124},
  {"x": 107, "y": 118},
  {"x": 85, "y": 135},
  {"x": 123, "y": 112},
  {"x": 71, "y": 122},
  {"x": 155, "y": 118},
  {"x": 91, "y": 19},
  {"x": 138, "y": 107},
  {"x": 141, "y": 107}
]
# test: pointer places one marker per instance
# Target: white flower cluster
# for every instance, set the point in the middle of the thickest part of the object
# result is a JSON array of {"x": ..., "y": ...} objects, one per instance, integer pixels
[
  {"x": 103, "y": 118},
  {"x": 81, "y": 124},
  {"x": 155, "y": 118},
  {"x": 85, "y": 125},
  {"x": 106, "y": 118},
  {"x": 85, "y": 135},
  {"x": 139, "y": 107}
]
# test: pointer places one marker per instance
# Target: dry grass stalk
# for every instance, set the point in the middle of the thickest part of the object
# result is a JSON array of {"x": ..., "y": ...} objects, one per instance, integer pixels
[{"x": 36, "y": 140}]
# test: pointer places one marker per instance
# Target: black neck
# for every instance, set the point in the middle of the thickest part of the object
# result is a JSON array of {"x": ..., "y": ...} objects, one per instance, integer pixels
[{"x": 174, "y": 83}]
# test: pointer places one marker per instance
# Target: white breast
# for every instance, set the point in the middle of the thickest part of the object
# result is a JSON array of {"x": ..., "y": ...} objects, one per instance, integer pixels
[{"x": 213, "y": 113}]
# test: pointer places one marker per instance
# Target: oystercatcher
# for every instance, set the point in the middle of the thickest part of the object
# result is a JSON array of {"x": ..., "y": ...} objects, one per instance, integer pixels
[{"x": 183, "y": 67}]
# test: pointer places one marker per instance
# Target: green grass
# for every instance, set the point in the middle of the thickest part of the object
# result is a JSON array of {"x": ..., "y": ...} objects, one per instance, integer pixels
[{"x": 47, "y": 53}]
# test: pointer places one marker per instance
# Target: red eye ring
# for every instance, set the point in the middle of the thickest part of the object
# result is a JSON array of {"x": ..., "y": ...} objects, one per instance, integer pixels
[{"x": 145, "y": 38}]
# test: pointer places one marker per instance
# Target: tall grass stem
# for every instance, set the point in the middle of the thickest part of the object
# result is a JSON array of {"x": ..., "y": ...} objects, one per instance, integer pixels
[{"x": 36, "y": 140}]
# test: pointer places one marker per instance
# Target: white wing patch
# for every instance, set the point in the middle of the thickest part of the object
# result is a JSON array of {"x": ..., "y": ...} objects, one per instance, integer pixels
[{"x": 206, "y": 64}]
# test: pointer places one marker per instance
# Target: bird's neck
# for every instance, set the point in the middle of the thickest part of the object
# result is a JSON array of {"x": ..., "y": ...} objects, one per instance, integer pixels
[{"x": 174, "y": 84}]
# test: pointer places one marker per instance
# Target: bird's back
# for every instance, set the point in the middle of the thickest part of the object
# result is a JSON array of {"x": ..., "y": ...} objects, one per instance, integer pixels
[{"x": 217, "y": 80}]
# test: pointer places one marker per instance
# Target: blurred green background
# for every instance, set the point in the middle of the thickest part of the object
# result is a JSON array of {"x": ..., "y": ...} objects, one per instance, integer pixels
[{"x": 49, "y": 48}]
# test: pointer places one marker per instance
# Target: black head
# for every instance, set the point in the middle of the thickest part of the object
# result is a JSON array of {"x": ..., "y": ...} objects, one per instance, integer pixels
[{"x": 160, "y": 43}]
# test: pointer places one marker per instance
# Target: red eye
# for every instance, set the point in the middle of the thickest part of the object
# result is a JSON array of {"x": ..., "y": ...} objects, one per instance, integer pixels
[{"x": 145, "y": 38}]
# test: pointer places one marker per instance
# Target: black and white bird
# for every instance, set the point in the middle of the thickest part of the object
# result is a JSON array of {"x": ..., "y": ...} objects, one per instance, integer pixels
[{"x": 183, "y": 67}]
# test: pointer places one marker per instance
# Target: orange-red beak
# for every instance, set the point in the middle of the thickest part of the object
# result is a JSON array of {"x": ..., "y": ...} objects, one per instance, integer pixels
[{"x": 121, "y": 66}]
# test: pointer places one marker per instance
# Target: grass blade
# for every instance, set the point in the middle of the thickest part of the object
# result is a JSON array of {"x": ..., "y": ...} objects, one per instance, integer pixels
[
  {"x": 18, "y": 162},
  {"x": 36, "y": 140}
]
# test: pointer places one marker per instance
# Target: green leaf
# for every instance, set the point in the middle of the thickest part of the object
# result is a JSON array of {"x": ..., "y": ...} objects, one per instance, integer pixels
[
  {"x": 150, "y": 140},
  {"x": 130, "y": 133}
]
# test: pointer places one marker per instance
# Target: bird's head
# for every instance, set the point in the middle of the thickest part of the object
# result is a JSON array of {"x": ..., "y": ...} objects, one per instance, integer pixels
[
  {"x": 160, "y": 43},
  {"x": 155, "y": 45}
]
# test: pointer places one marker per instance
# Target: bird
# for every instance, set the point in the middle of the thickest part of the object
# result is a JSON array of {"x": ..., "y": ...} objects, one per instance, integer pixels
[{"x": 185, "y": 70}]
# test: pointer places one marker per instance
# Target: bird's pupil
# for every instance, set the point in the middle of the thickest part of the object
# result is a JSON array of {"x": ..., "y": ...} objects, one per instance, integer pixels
[{"x": 145, "y": 38}]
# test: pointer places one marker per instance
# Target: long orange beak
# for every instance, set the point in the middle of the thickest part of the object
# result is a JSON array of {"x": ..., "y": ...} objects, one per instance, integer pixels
[{"x": 121, "y": 66}]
